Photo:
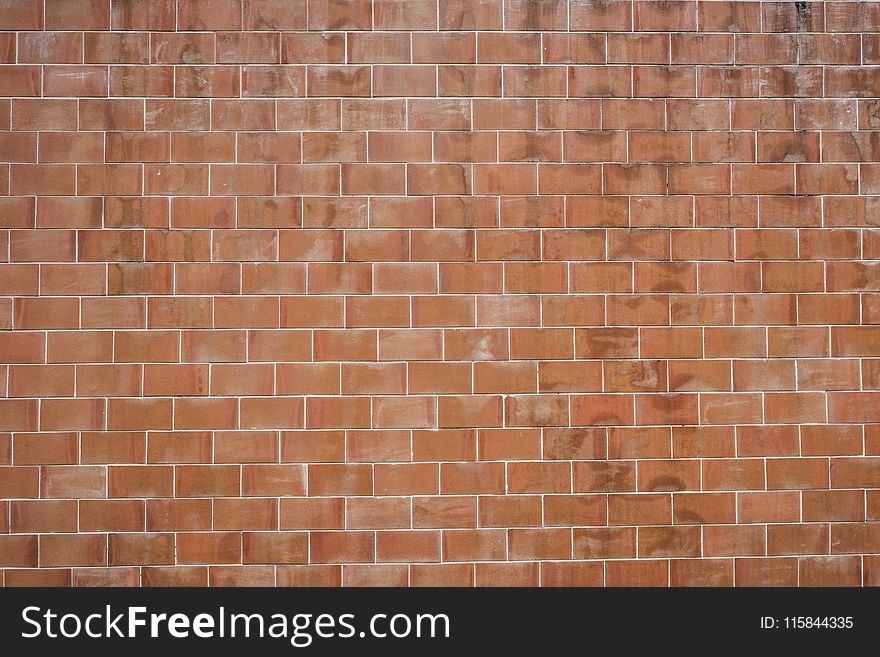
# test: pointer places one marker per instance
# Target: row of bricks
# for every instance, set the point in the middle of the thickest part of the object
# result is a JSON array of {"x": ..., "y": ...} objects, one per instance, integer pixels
[
  {"x": 419, "y": 378},
  {"x": 425, "y": 546},
  {"x": 444, "y": 411},
  {"x": 485, "y": 377},
  {"x": 835, "y": 570},
  {"x": 462, "y": 212},
  {"x": 450, "y": 510},
  {"x": 460, "y": 47},
  {"x": 455, "y": 261},
  {"x": 423, "y": 80},
  {"x": 765, "y": 322},
  {"x": 92, "y": 514},
  {"x": 551, "y": 443},
  {"x": 442, "y": 114},
  {"x": 481, "y": 147},
  {"x": 432, "y": 15},
  {"x": 666, "y": 295},
  {"x": 481, "y": 344},
  {"x": 656, "y": 280},
  {"x": 776, "y": 280},
  {"x": 399, "y": 179},
  {"x": 467, "y": 478}
]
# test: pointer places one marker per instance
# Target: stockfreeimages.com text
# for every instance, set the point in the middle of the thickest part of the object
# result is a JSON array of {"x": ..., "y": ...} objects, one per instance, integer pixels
[{"x": 300, "y": 629}]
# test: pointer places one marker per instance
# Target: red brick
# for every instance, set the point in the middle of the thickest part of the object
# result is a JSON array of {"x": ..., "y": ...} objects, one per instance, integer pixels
[{"x": 527, "y": 294}]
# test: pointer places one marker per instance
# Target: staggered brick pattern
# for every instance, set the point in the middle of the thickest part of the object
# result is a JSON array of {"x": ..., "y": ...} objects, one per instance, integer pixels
[{"x": 420, "y": 292}]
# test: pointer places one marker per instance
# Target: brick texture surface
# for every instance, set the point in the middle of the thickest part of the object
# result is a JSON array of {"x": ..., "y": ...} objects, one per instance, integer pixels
[{"x": 439, "y": 292}]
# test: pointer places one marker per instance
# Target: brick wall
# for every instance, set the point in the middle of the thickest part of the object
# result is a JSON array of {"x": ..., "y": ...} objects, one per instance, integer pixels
[{"x": 439, "y": 292}]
